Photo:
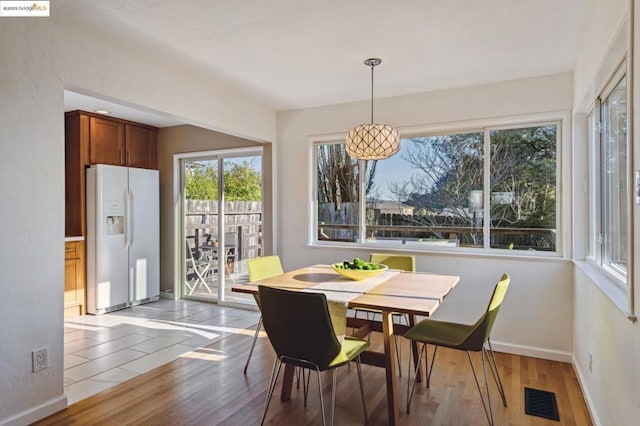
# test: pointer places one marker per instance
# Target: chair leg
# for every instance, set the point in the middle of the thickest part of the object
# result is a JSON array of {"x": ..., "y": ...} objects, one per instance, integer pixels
[
  {"x": 201, "y": 278},
  {"x": 188, "y": 287},
  {"x": 305, "y": 384},
  {"x": 272, "y": 384},
  {"x": 364, "y": 406},
  {"x": 253, "y": 344},
  {"x": 486, "y": 384},
  {"x": 487, "y": 410},
  {"x": 324, "y": 420},
  {"x": 428, "y": 369},
  {"x": 333, "y": 396},
  {"x": 410, "y": 389},
  {"x": 496, "y": 374}
]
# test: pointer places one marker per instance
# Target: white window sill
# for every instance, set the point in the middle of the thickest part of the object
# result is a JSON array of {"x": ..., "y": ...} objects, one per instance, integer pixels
[
  {"x": 442, "y": 250},
  {"x": 607, "y": 285}
]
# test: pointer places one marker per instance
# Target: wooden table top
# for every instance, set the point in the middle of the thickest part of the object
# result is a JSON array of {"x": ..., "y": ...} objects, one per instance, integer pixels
[{"x": 406, "y": 292}]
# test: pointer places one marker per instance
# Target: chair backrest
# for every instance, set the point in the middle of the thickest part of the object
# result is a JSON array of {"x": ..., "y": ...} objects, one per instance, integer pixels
[
  {"x": 403, "y": 262},
  {"x": 264, "y": 267},
  {"x": 482, "y": 328},
  {"x": 298, "y": 325},
  {"x": 190, "y": 255}
]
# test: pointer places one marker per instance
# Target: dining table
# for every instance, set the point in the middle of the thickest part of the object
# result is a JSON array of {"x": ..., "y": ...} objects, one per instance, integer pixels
[{"x": 391, "y": 293}]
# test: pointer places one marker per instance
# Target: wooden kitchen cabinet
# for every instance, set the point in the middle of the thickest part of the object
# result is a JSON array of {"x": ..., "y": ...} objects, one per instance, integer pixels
[
  {"x": 95, "y": 139},
  {"x": 106, "y": 142},
  {"x": 74, "y": 278},
  {"x": 121, "y": 143},
  {"x": 141, "y": 147}
]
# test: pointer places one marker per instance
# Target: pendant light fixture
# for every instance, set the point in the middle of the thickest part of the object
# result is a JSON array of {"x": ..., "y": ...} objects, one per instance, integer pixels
[{"x": 372, "y": 141}]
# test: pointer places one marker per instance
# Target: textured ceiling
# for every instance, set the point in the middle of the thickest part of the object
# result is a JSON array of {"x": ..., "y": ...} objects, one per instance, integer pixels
[{"x": 304, "y": 53}]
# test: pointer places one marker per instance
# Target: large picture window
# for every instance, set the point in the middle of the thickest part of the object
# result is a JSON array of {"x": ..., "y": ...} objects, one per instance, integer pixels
[{"x": 491, "y": 188}]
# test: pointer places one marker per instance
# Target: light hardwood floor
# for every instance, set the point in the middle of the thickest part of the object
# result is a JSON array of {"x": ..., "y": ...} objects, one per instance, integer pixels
[{"x": 208, "y": 388}]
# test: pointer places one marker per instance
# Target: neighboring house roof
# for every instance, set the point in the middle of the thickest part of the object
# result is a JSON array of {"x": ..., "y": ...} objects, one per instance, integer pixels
[{"x": 390, "y": 207}]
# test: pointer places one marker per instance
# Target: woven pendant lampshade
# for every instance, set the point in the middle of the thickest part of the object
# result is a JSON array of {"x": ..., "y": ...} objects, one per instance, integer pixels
[{"x": 372, "y": 141}]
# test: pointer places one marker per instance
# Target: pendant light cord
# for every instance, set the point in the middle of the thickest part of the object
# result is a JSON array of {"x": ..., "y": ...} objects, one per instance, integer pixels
[{"x": 372, "y": 66}]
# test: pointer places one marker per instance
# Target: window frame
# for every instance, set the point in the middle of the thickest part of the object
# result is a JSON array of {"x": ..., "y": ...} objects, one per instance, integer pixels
[
  {"x": 596, "y": 244},
  {"x": 562, "y": 121}
]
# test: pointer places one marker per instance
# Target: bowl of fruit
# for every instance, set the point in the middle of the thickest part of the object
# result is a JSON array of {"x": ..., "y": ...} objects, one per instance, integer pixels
[{"x": 359, "y": 269}]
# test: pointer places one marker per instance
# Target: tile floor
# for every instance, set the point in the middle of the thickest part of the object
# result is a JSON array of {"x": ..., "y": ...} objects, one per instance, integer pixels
[{"x": 102, "y": 351}]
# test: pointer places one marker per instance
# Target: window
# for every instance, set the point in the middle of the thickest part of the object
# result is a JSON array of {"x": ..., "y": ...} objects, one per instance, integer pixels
[
  {"x": 338, "y": 193},
  {"x": 609, "y": 195},
  {"x": 443, "y": 190}
]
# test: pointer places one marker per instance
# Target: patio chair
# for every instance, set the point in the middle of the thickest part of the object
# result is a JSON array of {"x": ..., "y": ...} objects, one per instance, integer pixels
[{"x": 200, "y": 269}]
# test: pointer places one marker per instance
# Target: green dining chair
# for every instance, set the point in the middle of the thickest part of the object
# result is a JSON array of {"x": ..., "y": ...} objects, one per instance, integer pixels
[
  {"x": 259, "y": 269},
  {"x": 465, "y": 337},
  {"x": 403, "y": 262},
  {"x": 300, "y": 330}
]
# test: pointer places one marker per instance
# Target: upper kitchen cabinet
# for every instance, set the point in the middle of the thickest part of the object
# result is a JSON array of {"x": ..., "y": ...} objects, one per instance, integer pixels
[
  {"x": 95, "y": 139},
  {"x": 122, "y": 143},
  {"x": 106, "y": 141},
  {"x": 141, "y": 146}
]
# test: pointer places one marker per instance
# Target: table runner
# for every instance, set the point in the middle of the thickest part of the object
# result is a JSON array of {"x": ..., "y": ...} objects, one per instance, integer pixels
[{"x": 340, "y": 291}]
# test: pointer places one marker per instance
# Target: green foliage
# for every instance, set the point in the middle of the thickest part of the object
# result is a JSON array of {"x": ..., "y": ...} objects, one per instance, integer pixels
[
  {"x": 242, "y": 182},
  {"x": 201, "y": 181},
  {"x": 524, "y": 164}
]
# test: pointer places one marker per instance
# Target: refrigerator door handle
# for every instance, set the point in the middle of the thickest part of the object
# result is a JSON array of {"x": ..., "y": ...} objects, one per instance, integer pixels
[
  {"x": 131, "y": 225},
  {"x": 127, "y": 220}
]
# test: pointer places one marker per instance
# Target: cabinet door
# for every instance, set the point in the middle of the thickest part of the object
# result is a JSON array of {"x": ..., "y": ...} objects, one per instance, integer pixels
[
  {"x": 141, "y": 143},
  {"x": 72, "y": 280},
  {"x": 106, "y": 142}
]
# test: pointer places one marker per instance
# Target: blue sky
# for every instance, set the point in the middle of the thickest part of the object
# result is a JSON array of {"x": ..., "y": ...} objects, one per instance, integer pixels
[{"x": 393, "y": 169}]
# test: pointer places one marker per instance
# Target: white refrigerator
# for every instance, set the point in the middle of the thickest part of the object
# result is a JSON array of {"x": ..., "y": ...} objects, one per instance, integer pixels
[{"x": 123, "y": 244}]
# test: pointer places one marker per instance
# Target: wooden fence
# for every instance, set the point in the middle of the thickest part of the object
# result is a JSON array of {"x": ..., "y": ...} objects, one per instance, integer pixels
[
  {"x": 341, "y": 224},
  {"x": 242, "y": 225}
]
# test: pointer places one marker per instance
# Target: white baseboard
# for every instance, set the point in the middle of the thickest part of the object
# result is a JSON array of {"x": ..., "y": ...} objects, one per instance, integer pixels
[
  {"x": 587, "y": 396},
  {"x": 36, "y": 413},
  {"x": 533, "y": 352},
  {"x": 168, "y": 295}
]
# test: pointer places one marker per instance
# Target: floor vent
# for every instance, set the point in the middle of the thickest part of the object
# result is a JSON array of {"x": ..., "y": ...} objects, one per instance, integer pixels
[{"x": 541, "y": 404}]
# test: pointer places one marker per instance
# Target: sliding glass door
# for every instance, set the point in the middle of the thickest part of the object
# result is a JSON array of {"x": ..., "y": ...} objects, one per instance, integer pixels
[{"x": 222, "y": 222}]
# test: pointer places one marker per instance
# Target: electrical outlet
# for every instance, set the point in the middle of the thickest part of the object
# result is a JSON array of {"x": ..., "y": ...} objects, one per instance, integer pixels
[
  {"x": 40, "y": 359},
  {"x": 590, "y": 362}
]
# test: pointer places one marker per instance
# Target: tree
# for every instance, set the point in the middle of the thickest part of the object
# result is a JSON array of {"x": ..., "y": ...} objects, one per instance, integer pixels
[
  {"x": 523, "y": 163},
  {"x": 242, "y": 181},
  {"x": 450, "y": 167},
  {"x": 339, "y": 175},
  {"x": 201, "y": 180}
]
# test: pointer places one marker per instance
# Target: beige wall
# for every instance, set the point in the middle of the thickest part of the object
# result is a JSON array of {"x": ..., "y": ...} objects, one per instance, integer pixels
[
  {"x": 611, "y": 379},
  {"x": 190, "y": 139},
  {"x": 40, "y": 59},
  {"x": 540, "y": 297}
]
